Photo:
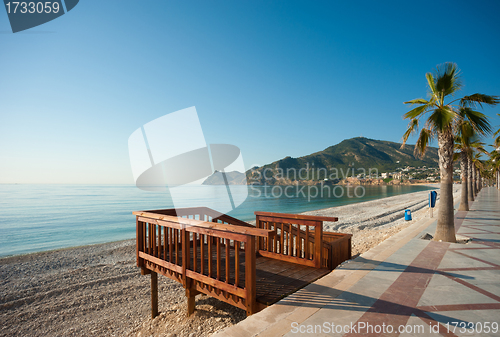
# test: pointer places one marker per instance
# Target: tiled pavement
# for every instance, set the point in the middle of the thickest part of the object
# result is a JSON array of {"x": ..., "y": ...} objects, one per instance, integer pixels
[{"x": 422, "y": 287}]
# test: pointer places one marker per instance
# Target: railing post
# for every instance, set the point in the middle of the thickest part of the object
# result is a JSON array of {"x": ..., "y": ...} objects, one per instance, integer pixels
[
  {"x": 187, "y": 282},
  {"x": 185, "y": 255},
  {"x": 139, "y": 242},
  {"x": 318, "y": 244},
  {"x": 257, "y": 225},
  {"x": 250, "y": 279}
]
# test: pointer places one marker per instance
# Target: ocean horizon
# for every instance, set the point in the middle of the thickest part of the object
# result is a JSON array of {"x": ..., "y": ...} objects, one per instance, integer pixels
[{"x": 43, "y": 217}]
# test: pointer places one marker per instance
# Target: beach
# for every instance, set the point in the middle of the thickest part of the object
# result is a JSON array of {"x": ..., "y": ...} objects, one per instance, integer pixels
[{"x": 97, "y": 290}]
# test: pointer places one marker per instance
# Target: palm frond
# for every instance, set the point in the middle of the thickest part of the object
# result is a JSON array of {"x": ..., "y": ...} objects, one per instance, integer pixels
[
  {"x": 478, "y": 147},
  {"x": 422, "y": 142},
  {"x": 417, "y": 101},
  {"x": 412, "y": 128},
  {"x": 475, "y": 100},
  {"x": 432, "y": 85},
  {"x": 497, "y": 141},
  {"x": 414, "y": 113},
  {"x": 477, "y": 120},
  {"x": 466, "y": 132},
  {"x": 441, "y": 119},
  {"x": 447, "y": 79}
]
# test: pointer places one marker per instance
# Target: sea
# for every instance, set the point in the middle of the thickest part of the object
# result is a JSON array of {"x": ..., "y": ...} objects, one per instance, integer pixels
[{"x": 36, "y": 218}]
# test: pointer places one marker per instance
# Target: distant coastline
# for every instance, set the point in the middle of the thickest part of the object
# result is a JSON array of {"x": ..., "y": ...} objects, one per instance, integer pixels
[{"x": 355, "y": 161}]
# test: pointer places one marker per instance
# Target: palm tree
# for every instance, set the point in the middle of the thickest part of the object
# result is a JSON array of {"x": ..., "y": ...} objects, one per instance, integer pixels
[
  {"x": 490, "y": 169},
  {"x": 470, "y": 189},
  {"x": 479, "y": 147},
  {"x": 465, "y": 141},
  {"x": 496, "y": 156},
  {"x": 478, "y": 165},
  {"x": 495, "y": 164},
  {"x": 442, "y": 123}
]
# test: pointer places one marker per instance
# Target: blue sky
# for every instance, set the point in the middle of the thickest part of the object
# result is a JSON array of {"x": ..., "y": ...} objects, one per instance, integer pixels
[{"x": 275, "y": 78}]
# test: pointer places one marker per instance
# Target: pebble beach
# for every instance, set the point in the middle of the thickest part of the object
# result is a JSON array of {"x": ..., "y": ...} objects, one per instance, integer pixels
[{"x": 97, "y": 290}]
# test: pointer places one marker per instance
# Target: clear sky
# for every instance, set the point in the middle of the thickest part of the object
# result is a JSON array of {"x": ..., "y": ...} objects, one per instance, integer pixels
[{"x": 275, "y": 78}]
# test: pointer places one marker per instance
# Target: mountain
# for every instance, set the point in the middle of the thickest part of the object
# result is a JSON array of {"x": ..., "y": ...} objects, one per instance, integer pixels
[
  {"x": 356, "y": 155},
  {"x": 348, "y": 158}
]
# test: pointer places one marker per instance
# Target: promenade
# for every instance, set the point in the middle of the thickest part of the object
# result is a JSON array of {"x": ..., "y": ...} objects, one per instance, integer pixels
[{"x": 405, "y": 286}]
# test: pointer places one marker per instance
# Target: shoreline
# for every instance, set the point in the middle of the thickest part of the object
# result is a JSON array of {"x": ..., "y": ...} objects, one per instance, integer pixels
[{"x": 63, "y": 249}]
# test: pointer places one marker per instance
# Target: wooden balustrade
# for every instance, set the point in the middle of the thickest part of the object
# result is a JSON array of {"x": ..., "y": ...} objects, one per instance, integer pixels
[
  {"x": 295, "y": 240},
  {"x": 217, "y": 259},
  {"x": 215, "y": 254}
]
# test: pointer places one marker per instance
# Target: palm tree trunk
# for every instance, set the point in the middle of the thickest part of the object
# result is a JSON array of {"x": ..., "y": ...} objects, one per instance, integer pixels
[
  {"x": 478, "y": 179},
  {"x": 445, "y": 230},
  {"x": 470, "y": 193},
  {"x": 474, "y": 189},
  {"x": 464, "y": 200}
]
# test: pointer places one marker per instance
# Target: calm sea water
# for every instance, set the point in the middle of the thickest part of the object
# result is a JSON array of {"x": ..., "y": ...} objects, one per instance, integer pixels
[{"x": 36, "y": 218}]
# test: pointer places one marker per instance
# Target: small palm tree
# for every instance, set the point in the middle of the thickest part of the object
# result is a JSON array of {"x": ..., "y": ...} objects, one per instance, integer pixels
[
  {"x": 462, "y": 155},
  {"x": 466, "y": 141},
  {"x": 495, "y": 165},
  {"x": 442, "y": 123},
  {"x": 477, "y": 148},
  {"x": 487, "y": 172},
  {"x": 479, "y": 165},
  {"x": 496, "y": 156},
  {"x": 470, "y": 181}
]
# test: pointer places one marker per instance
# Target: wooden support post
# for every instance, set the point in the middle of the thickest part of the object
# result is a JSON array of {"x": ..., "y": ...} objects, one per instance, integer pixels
[
  {"x": 154, "y": 294},
  {"x": 191, "y": 301}
]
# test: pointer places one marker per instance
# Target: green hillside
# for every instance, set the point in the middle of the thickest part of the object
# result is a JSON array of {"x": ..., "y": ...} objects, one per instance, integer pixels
[{"x": 360, "y": 154}]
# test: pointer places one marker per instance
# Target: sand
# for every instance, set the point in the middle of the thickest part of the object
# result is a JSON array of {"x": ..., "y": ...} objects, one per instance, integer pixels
[{"x": 97, "y": 290}]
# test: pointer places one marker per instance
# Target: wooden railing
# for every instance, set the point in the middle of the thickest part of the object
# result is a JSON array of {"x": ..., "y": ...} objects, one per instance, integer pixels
[
  {"x": 296, "y": 239},
  {"x": 207, "y": 252}
]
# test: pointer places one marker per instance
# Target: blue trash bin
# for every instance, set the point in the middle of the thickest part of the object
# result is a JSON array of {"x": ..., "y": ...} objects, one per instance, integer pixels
[
  {"x": 432, "y": 199},
  {"x": 407, "y": 215}
]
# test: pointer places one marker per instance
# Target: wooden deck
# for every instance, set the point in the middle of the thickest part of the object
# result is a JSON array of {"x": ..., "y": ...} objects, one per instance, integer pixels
[
  {"x": 233, "y": 261},
  {"x": 277, "y": 279}
]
